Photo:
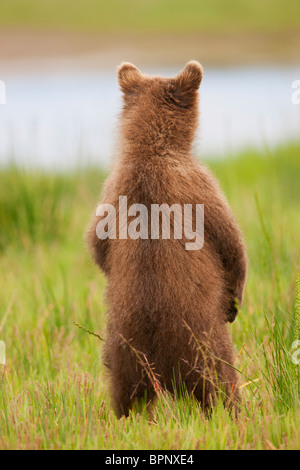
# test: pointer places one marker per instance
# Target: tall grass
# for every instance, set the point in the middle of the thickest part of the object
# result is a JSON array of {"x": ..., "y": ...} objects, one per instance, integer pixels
[{"x": 53, "y": 390}]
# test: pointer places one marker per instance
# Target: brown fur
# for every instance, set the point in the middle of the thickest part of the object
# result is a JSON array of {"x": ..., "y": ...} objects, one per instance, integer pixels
[{"x": 168, "y": 305}]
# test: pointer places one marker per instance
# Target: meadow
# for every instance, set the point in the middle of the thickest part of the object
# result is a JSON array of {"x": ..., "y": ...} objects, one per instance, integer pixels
[
  {"x": 155, "y": 16},
  {"x": 53, "y": 387}
]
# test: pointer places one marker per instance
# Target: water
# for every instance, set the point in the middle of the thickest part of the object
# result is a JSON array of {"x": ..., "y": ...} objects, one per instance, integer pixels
[{"x": 61, "y": 119}]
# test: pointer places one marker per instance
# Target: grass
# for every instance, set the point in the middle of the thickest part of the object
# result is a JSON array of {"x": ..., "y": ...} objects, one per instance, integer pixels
[
  {"x": 158, "y": 16},
  {"x": 53, "y": 387}
]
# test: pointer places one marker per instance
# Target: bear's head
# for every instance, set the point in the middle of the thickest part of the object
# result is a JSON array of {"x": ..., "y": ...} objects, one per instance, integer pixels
[{"x": 160, "y": 115}]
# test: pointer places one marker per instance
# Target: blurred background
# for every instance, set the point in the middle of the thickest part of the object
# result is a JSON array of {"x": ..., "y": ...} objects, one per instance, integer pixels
[
  {"x": 58, "y": 129},
  {"x": 58, "y": 60}
]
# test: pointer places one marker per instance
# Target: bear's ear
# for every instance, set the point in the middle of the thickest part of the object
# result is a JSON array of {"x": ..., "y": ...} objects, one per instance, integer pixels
[
  {"x": 129, "y": 76},
  {"x": 191, "y": 76},
  {"x": 187, "y": 83}
]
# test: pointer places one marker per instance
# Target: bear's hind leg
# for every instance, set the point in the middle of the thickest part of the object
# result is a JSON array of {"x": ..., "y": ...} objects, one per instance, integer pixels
[
  {"x": 129, "y": 393},
  {"x": 129, "y": 383}
]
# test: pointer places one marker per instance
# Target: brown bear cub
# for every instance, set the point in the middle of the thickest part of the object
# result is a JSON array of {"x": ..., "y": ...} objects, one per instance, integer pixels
[{"x": 168, "y": 306}]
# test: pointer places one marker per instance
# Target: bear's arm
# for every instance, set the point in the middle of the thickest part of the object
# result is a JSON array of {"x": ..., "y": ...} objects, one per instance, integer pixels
[
  {"x": 99, "y": 247},
  {"x": 222, "y": 231}
]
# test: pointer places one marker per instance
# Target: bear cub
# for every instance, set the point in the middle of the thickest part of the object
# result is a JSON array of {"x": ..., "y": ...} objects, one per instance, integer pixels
[{"x": 168, "y": 307}]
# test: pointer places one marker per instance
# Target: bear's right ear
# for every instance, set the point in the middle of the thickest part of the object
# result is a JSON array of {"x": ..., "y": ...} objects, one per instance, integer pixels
[
  {"x": 129, "y": 76},
  {"x": 190, "y": 77},
  {"x": 187, "y": 83}
]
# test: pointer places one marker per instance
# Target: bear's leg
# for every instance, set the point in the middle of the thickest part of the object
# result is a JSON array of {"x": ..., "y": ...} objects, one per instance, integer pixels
[
  {"x": 129, "y": 384},
  {"x": 202, "y": 387},
  {"x": 232, "y": 399},
  {"x": 129, "y": 394},
  {"x": 212, "y": 378},
  {"x": 188, "y": 377}
]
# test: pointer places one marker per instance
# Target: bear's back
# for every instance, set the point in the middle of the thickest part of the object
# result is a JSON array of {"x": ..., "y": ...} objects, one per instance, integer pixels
[{"x": 161, "y": 275}]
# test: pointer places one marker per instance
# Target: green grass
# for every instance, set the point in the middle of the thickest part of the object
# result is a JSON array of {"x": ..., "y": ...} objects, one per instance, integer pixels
[
  {"x": 53, "y": 387},
  {"x": 160, "y": 16}
]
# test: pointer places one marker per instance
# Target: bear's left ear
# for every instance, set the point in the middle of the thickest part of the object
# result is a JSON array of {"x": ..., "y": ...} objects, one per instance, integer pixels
[
  {"x": 129, "y": 76},
  {"x": 190, "y": 77}
]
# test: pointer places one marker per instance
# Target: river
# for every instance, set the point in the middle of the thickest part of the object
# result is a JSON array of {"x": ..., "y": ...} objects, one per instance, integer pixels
[{"x": 61, "y": 119}]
